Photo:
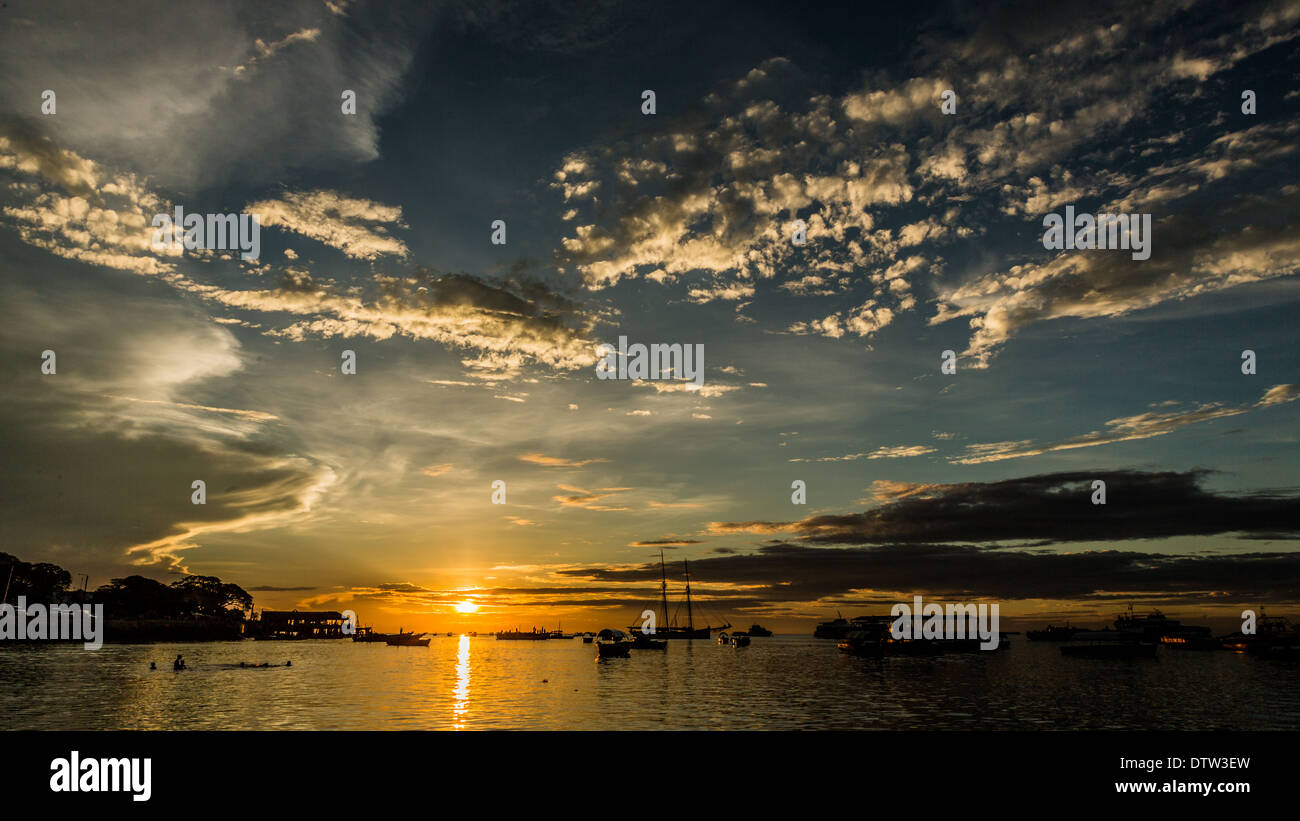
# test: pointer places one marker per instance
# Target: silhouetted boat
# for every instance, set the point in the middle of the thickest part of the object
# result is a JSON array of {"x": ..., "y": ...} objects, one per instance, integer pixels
[
  {"x": 1268, "y": 629},
  {"x": 758, "y": 630},
  {"x": 740, "y": 641},
  {"x": 640, "y": 642},
  {"x": 519, "y": 635},
  {"x": 837, "y": 629},
  {"x": 408, "y": 640},
  {"x": 667, "y": 629},
  {"x": 1148, "y": 628},
  {"x": 613, "y": 644}
]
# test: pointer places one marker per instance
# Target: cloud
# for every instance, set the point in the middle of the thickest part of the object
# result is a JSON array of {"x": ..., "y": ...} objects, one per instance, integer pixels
[
  {"x": 884, "y": 452},
  {"x": 113, "y": 441},
  {"x": 1055, "y": 507},
  {"x": 668, "y": 541},
  {"x": 196, "y": 95},
  {"x": 587, "y": 498},
  {"x": 794, "y": 573},
  {"x": 1126, "y": 428},
  {"x": 558, "y": 461},
  {"x": 357, "y": 227}
]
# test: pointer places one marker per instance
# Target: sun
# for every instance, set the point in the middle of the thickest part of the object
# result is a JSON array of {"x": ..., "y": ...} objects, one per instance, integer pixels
[{"x": 467, "y": 607}]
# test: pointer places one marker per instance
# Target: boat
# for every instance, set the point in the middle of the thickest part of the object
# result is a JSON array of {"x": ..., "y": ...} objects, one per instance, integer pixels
[
  {"x": 1053, "y": 633},
  {"x": 366, "y": 635},
  {"x": 587, "y": 638},
  {"x": 519, "y": 635},
  {"x": 873, "y": 637},
  {"x": 640, "y": 642},
  {"x": 668, "y": 628},
  {"x": 407, "y": 640},
  {"x": 861, "y": 643},
  {"x": 558, "y": 633},
  {"x": 1268, "y": 630},
  {"x": 1110, "y": 649},
  {"x": 837, "y": 629},
  {"x": 613, "y": 644},
  {"x": 1148, "y": 628},
  {"x": 758, "y": 630},
  {"x": 740, "y": 640},
  {"x": 724, "y": 638}
]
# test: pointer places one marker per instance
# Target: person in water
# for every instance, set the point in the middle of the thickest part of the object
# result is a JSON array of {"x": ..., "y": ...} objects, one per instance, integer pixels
[
  {"x": 153, "y": 665},
  {"x": 288, "y": 664},
  {"x": 179, "y": 663}
]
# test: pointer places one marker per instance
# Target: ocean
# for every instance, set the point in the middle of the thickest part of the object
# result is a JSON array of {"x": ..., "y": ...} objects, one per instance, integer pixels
[{"x": 777, "y": 683}]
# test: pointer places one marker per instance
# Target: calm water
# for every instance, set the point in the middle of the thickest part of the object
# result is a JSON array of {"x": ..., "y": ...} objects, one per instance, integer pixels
[{"x": 785, "y": 682}]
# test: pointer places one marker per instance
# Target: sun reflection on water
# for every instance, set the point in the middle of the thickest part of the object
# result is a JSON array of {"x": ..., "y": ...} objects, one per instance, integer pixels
[{"x": 460, "y": 708}]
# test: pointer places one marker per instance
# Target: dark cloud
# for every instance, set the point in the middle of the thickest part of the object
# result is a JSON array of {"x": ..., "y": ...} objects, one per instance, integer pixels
[
  {"x": 799, "y": 573},
  {"x": 1056, "y": 507}
]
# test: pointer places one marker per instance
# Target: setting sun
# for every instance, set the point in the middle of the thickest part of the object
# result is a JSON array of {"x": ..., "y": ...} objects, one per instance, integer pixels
[{"x": 467, "y": 607}]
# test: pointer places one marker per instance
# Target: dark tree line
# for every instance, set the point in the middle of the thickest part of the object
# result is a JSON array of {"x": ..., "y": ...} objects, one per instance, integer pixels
[{"x": 129, "y": 597}]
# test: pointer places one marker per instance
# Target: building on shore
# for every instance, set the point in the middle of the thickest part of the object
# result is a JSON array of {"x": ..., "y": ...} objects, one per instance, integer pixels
[{"x": 300, "y": 624}]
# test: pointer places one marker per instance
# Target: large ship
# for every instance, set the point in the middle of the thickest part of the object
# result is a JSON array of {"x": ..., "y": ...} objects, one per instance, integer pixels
[{"x": 668, "y": 627}]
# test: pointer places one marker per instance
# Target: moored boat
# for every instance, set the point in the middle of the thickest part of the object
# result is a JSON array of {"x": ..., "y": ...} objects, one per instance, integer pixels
[
  {"x": 740, "y": 640},
  {"x": 759, "y": 630},
  {"x": 519, "y": 635},
  {"x": 640, "y": 642},
  {"x": 407, "y": 640},
  {"x": 613, "y": 644},
  {"x": 667, "y": 628}
]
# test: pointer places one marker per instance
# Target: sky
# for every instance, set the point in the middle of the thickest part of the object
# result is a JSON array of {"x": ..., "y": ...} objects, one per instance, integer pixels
[{"x": 476, "y": 360}]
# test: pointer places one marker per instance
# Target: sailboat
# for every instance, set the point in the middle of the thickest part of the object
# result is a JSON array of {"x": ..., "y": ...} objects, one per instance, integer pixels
[{"x": 666, "y": 630}]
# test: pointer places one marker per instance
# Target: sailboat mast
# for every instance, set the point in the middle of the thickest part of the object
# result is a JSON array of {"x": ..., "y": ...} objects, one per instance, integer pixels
[
  {"x": 690, "y": 618},
  {"x": 663, "y": 586}
]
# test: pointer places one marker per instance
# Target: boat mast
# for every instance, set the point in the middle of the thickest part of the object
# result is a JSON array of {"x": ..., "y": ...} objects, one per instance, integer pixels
[
  {"x": 663, "y": 588},
  {"x": 690, "y": 618}
]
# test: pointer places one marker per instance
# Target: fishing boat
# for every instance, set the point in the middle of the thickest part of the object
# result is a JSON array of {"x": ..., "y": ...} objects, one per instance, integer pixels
[
  {"x": 740, "y": 641},
  {"x": 724, "y": 638},
  {"x": 407, "y": 640},
  {"x": 668, "y": 627},
  {"x": 613, "y": 644}
]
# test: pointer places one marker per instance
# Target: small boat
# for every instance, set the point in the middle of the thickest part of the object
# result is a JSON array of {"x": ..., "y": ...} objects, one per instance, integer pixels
[
  {"x": 1110, "y": 649},
  {"x": 740, "y": 640},
  {"x": 588, "y": 639},
  {"x": 724, "y": 638},
  {"x": 642, "y": 642},
  {"x": 759, "y": 630},
  {"x": 519, "y": 635},
  {"x": 613, "y": 644},
  {"x": 408, "y": 640}
]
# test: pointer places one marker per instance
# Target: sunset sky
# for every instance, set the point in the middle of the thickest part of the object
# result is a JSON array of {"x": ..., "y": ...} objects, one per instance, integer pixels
[{"x": 476, "y": 362}]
